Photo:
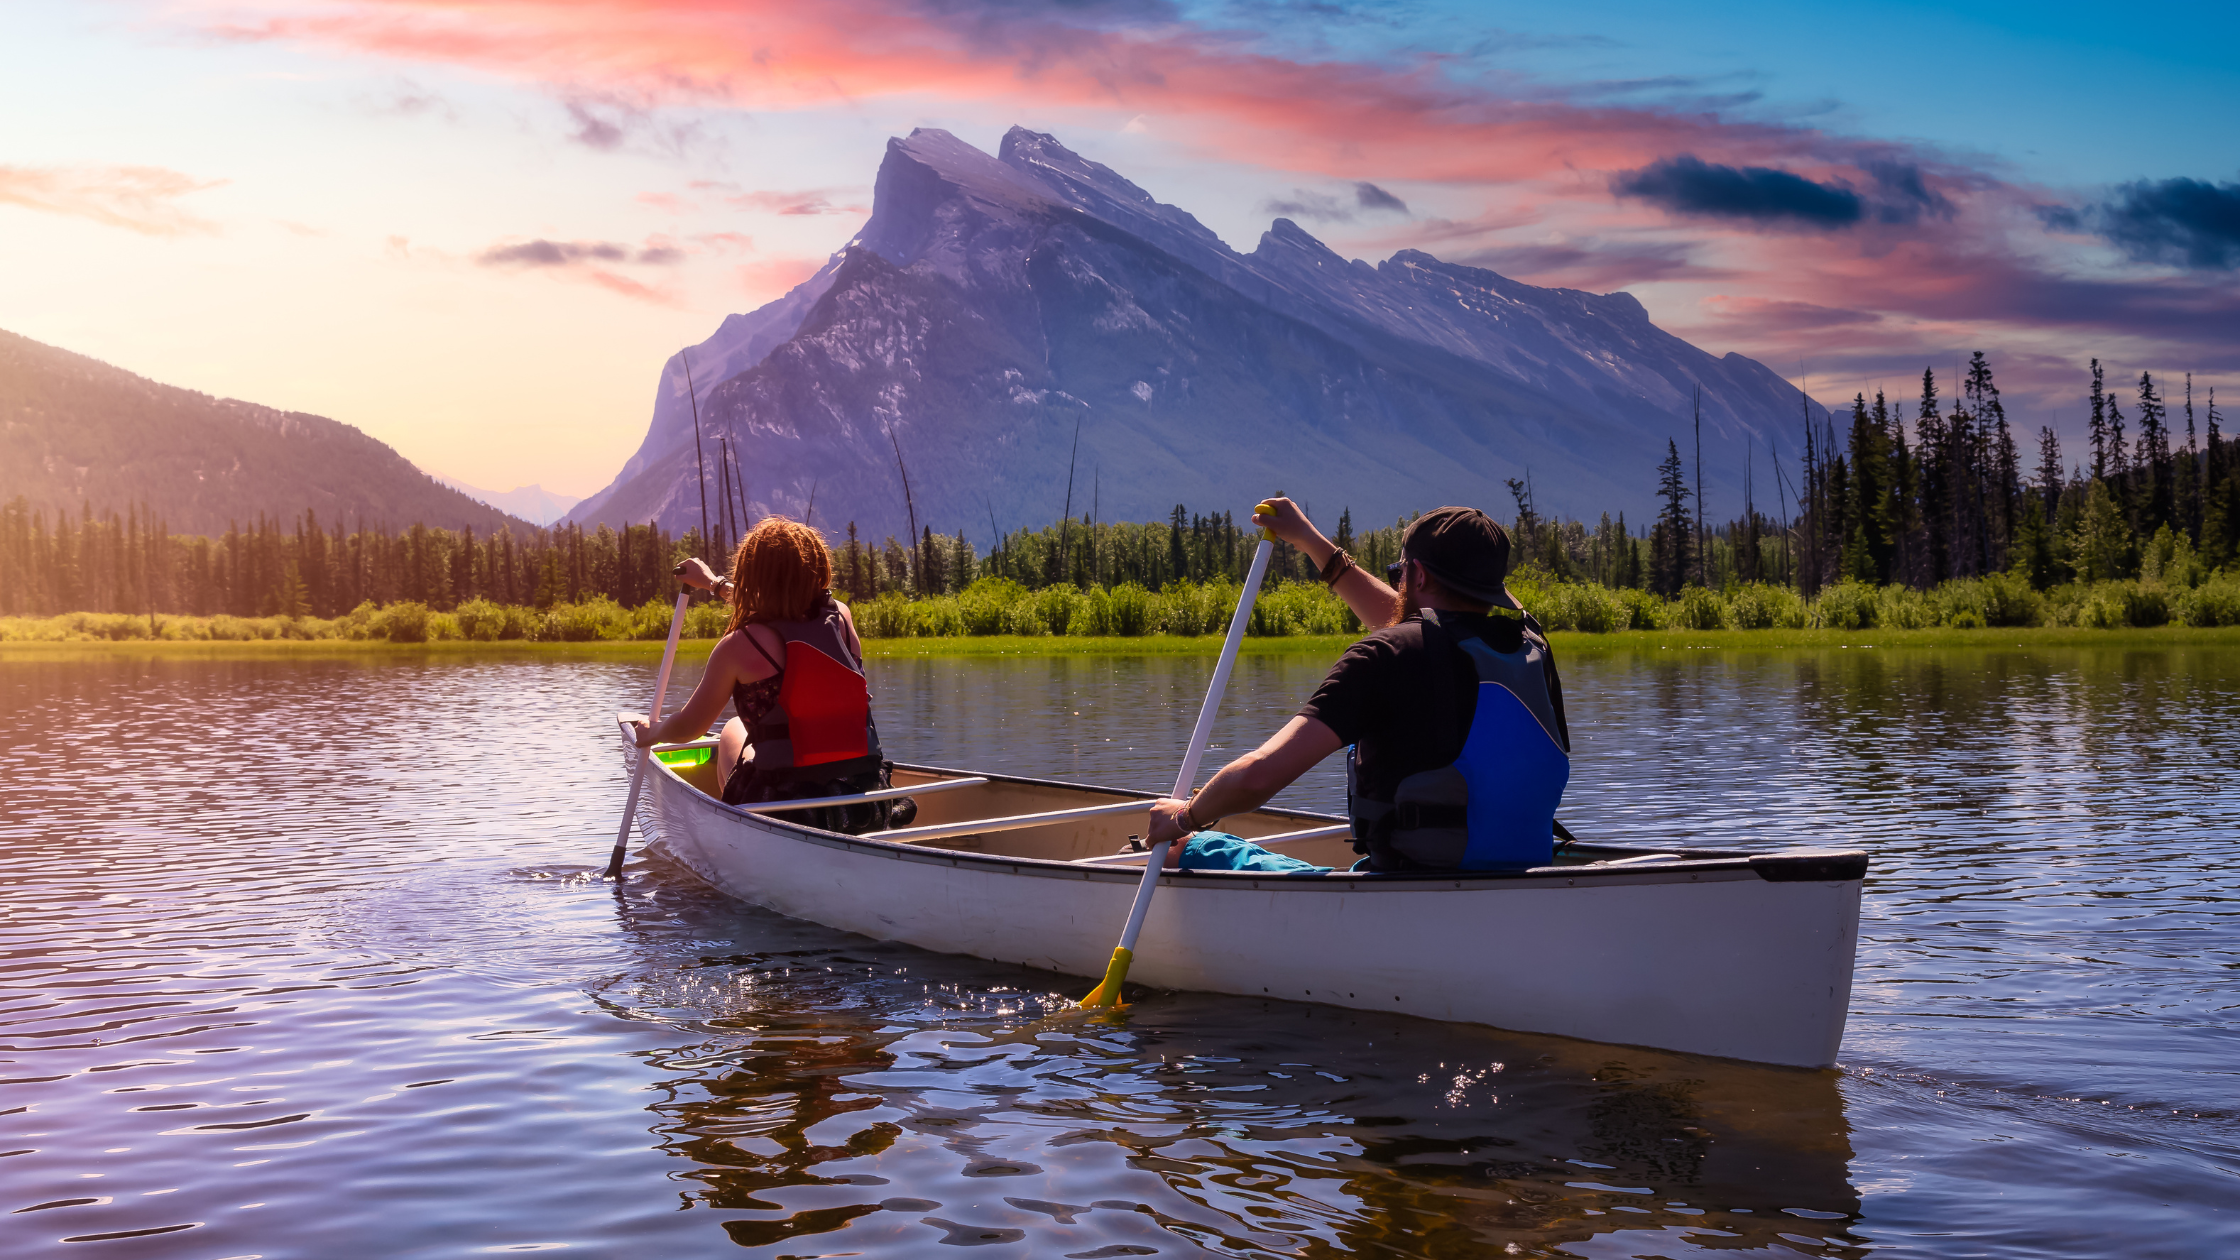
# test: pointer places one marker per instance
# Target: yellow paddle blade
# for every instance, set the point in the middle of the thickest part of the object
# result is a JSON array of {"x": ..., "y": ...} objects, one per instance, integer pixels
[{"x": 1116, "y": 971}]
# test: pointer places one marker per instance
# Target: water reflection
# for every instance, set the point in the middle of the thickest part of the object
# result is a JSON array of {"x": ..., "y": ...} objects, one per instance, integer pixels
[
  {"x": 894, "y": 1099},
  {"x": 290, "y": 944}
]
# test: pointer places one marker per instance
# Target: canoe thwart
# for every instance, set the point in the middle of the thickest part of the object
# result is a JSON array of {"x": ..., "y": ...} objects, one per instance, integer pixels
[
  {"x": 974, "y": 827},
  {"x": 881, "y": 794}
]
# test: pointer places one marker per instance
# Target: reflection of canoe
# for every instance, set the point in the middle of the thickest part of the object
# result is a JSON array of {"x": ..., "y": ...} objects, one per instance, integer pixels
[{"x": 1725, "y": 953}]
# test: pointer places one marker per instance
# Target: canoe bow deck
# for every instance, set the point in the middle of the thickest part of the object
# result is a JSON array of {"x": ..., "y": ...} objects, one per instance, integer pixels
[{"x": 1719, "y": 952}]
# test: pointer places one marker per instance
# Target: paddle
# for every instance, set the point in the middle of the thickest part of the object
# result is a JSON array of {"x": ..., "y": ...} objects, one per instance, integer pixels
[
  {"x": 653, "y": 721},
  {"x": 1115, "y": 972}
]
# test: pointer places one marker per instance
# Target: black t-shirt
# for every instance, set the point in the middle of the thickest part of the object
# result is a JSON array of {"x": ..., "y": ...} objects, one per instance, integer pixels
[{"x": 1385, "y": 697}]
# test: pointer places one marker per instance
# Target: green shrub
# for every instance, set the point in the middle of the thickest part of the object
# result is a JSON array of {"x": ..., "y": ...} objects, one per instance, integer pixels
[
  {"x": 1959, "y": 603},
  {"x": 1900, "y": 607},
  {"x": 595, "y": 619},
  {"x": 1700, "y": 609},
  {"x": 2215, "y": 602},
  {"x": 1846, "y": 606},
  {"x": 2009, "y": 600},
  {"x": 480, "y": 620},
  {"x": 887, "y": 617},
  {"x": 403, "y": 622},
  {"x": 1022, "y": 618},
  {"x": 984, "y": 604},
  {"x": 2102, "y": 610},
  {"x": 2145, "y": 603},
  {"x": 1644, "y": 611},
  {"x": 1761, "y": 606},
  {"x": 1592, "y": 609},
  {"x": 1539, "y": 600},
  {"x": 1061, "y": 608}
]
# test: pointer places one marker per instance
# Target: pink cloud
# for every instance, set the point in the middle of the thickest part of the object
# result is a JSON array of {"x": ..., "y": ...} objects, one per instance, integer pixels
[
  {"x": 811, "y": 201},
  {"x": 629, "y": 288},
  {"x": 1933, "y": 250},
  {"x": 137, "y": 198},
  {"x": 771, "y": 278}
]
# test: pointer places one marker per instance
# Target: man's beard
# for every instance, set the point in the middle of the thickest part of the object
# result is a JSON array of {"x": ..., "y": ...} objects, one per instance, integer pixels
[{"x": 1408, "y": 605}]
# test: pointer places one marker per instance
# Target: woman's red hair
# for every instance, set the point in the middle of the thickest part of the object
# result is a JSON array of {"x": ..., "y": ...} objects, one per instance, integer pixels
[{"x": 781, "y": 570}]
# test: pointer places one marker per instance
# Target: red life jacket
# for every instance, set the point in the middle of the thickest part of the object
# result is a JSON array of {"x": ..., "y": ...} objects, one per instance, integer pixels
[{"x": 820, "y": 729}]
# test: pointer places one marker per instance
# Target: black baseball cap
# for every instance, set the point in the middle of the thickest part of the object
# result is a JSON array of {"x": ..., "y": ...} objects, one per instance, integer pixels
[{"x": 1465, "y": 550}]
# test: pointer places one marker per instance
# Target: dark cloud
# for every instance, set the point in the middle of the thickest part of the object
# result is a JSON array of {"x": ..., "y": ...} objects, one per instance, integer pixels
[
  {"x": 544, "y": 253},
  {"x": 1323, "y": 208},
  {"x": 1592, "y": 265},
  {"x": 1686, "y": 184},
  {"x": 593, "y": 130},
  {"x": 2189, "y": 222},
  {"x": 1689, "y": 185},
  {"x": 1903, "y": 196},
  {"x": 1305, "y": 204},
  {"x": 1777, "y": 315},
  {"x": 1371, "y": 197}
]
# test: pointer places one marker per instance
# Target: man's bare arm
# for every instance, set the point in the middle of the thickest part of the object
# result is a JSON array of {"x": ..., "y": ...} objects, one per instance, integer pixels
[
  {"x": 1376, "y": 604},
  {"x": 1248, "y": 782}
]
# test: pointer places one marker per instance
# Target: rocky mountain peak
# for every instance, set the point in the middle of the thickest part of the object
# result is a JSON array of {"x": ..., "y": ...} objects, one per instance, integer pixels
[{"x": 991, "y": 303}]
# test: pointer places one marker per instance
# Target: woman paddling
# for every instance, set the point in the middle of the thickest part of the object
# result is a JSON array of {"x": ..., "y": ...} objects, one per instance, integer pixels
[{"x": 791, "y": 665}]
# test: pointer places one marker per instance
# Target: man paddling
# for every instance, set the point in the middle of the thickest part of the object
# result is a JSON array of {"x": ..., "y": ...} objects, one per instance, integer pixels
[{"x": 1444, "y": 773}]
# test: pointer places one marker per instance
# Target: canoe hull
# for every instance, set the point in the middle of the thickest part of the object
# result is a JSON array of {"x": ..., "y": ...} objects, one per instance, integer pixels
[{"x": 1716, "y": 958}]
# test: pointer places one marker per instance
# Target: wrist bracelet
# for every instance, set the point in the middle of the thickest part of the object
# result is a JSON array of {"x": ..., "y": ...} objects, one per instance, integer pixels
[
  {"x": 1188, "y": 817},
  {"x": 1335, "y": 567}
]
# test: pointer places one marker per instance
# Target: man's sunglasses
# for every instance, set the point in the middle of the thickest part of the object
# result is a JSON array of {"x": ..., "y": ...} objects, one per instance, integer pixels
[{"x": 1392, "y": 572}]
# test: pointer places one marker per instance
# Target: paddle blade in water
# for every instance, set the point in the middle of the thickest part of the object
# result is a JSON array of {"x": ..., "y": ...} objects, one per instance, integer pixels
[{"x": 1115, "y": 972}]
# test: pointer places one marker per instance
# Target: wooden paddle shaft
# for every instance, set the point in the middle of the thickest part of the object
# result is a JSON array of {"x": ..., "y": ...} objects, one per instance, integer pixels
[{"x": 653, "y": 721}]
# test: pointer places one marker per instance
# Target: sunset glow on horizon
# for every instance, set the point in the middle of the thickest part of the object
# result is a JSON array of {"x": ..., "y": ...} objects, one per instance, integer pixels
[{"x": 476, "y": 229}]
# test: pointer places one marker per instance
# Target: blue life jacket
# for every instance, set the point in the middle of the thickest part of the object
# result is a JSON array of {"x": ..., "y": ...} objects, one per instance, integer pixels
[{"x": 1494, "y": 808}]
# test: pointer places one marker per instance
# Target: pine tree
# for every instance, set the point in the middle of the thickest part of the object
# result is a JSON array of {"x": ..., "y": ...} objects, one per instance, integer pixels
[
  {"x": 2099, "y": 423},
  {"x": 2153, "y": 494},
  {"x": 2101, "y": 545},
  {"x": 2119, "y": 460},
  {"x": 1933, "y": 493},
  {"x": 2049, "y": 466},
  {"x": 2033, "y": 550},
  {"x": 1670, "y": 556},
  {"x": 1868, "y": 508},
  {"x": 2187, "y": 482}
]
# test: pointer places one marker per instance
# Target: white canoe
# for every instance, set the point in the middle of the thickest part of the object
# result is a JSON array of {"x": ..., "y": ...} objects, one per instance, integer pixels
[{"x": 1742, "y": 955}]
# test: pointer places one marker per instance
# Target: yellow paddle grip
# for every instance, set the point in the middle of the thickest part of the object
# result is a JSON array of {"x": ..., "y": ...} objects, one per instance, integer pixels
[
  {"x": 1116, "y": 971},
  {"x": 1266, "y": 507}
]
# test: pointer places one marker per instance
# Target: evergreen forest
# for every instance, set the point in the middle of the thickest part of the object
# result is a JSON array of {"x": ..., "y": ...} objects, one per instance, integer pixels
[{"x": 1909, "y": 515}]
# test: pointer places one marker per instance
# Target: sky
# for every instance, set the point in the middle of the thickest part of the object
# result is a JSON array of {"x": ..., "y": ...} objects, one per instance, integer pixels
[{"x": 476, "y": 228}]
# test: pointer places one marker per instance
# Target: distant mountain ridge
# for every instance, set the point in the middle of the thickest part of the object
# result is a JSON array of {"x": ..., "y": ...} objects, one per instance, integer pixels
[
  {"x": 990, "y": 303},
  {"x": 76, "y": 431},
  {"x": 532, "y": 503}
]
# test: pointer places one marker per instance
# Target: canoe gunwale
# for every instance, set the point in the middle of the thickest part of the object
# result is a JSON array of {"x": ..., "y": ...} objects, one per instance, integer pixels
[{"x": 1704, "y": 866}]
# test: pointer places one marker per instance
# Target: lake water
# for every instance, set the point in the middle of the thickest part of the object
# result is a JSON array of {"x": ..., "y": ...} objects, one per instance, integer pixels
[{"x": 307, "y": 958}]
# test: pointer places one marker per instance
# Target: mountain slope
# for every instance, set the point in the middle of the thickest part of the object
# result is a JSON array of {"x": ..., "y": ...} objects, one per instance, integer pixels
[
  {"x": 74, "y": 430},
  {"x": 992, "y": 302}
]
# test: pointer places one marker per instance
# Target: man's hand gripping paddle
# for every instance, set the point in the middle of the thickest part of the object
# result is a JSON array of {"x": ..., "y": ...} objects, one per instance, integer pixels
[{"x": 1116, "y": 972}]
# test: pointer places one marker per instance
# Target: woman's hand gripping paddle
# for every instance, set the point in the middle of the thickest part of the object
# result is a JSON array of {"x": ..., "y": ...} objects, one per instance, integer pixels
[
  {"x": 1116, "y": 972},
  {"x": 653, "y": 722}
]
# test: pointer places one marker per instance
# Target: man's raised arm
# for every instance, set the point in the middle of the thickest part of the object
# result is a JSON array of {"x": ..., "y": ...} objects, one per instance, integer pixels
[{"x": 1376, "y": 604}]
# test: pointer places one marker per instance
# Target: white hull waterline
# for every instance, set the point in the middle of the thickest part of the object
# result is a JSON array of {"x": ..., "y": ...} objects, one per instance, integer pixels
[{"x": 1747, "y": 956}]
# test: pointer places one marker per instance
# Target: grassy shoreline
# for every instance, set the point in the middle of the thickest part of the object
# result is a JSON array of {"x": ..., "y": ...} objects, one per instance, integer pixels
[{"x": 1565, "y": 642}]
